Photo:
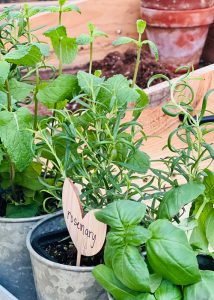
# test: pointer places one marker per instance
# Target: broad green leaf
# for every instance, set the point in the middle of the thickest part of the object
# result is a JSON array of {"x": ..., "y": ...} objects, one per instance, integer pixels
[
  {"x": 25, "y": 56},
  {"x": 56, "y": 32},
  {"x": 144, "y": 296},
  {"x": 118, "y": 88},
  {"x": 62, "y": 2},
  {"x": 106, "y": 278},
  {"x": 138, "y": 162},
  {"x": 83, "y": 39},
  {"x": 62, "y": 88},
  {"x": 209, "y": 227},
  {"x": 20, "y": 90},
  {"x": 4, "y": 71},
  {"x": 89, "y": 83},
  {"x": 129, "y": 266},
  {"x": 122, "y": 149},
  {"x": 137, "y": 235},
  {"x": 209, "y": 184},
  {"x": 99, "y": 33},
  {"x": 168, "y": 291},
  {"x": 69, "y": 49},
  {"x": 123, "y": 40},
  {"x": 141, "y": 26},
  {"x": 155, "y": 281},
  {"x": 15, "y": 136},
  {"x": 122, "y": 213},
  {"x": 114, "y": 241},
  {"x": 152, "y": 47},
  {"x": 141, "y": 102},
  {"x": 35, "y": 10},
  {"x": 22, "y": 211},
  {"x": 170, "y": 254},
  {"x": 198, "y": 237},
  {"x": 44, "y": 48},
  {"x": 202, "y": 290},
  {"x": 29, "y": 177},
  {"x": 177, "y": 198}
]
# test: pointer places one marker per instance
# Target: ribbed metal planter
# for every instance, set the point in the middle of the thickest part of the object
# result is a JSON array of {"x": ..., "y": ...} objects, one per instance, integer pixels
[
  {"x": 55, "y": 281},
  {"x": 15, "y": 266}
]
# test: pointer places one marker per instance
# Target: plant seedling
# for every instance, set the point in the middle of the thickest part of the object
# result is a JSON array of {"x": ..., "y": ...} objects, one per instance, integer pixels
[
  {"x": 141, "y": 26},
  {"x": 88, "y": 39}
]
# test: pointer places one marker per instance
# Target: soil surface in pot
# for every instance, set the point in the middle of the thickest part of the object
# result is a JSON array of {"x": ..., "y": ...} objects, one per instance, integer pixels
[
  {"x": 124, "y": 63},
  {"x": 59, "y": 248}
]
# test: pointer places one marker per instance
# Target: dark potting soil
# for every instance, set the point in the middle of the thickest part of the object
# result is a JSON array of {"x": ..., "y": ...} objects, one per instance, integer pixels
[
  {"x": 124, "y": 63},
  {"x": 59, "y": 248}
]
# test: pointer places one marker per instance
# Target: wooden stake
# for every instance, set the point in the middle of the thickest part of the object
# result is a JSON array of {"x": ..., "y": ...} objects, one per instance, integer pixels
[{"x": 78, "y": 259}]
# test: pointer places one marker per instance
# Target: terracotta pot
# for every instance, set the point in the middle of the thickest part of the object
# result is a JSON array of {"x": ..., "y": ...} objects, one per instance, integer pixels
[
  {"x": 208, "y": 54},
  {"x": 177, "y": 5},
  {"x": 179, "y": 35}
]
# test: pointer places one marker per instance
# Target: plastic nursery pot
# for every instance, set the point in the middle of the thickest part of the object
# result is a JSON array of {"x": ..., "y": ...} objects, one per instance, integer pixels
[
  {"x": 180, "y": 35},
  {"x": 208, "y": 53},
  {"x": 15, "y": 266},
  {"x": 57, "y": 281}
]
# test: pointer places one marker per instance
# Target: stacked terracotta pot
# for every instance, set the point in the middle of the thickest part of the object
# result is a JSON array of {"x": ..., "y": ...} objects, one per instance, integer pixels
[{"x": 179, "y": 28}]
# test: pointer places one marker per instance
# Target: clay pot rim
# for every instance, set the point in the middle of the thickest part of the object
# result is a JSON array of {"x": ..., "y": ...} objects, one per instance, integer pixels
[
  {"x": 173, "y": 6},
  {"x": 178, "y": 18}
]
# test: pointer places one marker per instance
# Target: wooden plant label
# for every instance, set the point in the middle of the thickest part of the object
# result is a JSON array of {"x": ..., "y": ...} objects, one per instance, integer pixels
[{"x": 87, "y": 233}]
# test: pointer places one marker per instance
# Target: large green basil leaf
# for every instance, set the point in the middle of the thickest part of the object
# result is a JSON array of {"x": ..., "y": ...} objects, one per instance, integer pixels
[
  {"x": 177, "y": 197},
  {"x": 209, "y": 227},
  {"x": 170, "y": 254},
  {"x": 130, "y": 268},
  {"x": 144, "y": 296},
  {"x": 114, "y": 241},
  {"x": 15, "y": 136},
  {"x": 4, "y": 71},
  {"x": 122, "y": 213},
  {"x": 137, "y": 235},
  {"x": 198, "y": 237},
  {"x": 155, "y": 281},
  {"x": 20, "y": 90},
  {"x": 24, "y": 56},
  {"x": 202, "y": 290},
  {"x": 138, "y": 162},
  {"x": 168, "y": 291},
  {"x": 64, "y": 87},
  {"x": 106, "y": 278}
]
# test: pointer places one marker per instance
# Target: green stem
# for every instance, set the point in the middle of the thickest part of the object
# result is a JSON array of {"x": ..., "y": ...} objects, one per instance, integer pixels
[
  {"x": 9, "y": 100},
  {"x": 91, "y": 57},
  {"x": 36, "y": 102},
  {"x": 137, "y": 61},
  {"x": 12, "y": 176},
  {"x": 60, "y": 43},
  {"x": 29, "y": 31},
  {"x": 201, "y": 208}
]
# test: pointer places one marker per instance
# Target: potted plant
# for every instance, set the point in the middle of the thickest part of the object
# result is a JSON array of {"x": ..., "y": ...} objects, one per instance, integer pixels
[
  {"x": 179, "y": 29},
  {"x": 142, "y": 260},
  {"x": 101, "y": 153},
  {"x": 22, "y": 199},
  {"x": 149, "y": 262}
]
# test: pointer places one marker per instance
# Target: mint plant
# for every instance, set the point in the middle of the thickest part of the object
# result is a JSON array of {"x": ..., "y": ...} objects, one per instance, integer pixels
[
  {"x": 168, "y": 268},
  {"x": 22, "y": 58},
  {"x": 141, "y": 26}
]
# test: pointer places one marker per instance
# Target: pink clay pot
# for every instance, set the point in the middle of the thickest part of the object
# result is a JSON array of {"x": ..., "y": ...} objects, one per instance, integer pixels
[
  {"x": 208, "y": 53},
  {"x": 179, "y": 34},
  {"x": 177, "y": 4}
]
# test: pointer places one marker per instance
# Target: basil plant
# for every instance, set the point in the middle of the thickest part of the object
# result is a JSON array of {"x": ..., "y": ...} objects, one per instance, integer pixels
[{"x": 148, "y": 263}]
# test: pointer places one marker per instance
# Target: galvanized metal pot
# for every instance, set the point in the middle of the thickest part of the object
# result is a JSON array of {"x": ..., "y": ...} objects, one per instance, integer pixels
[
  {"x": 15, "y": 267},
  {"x": 57, "y": 281}
]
